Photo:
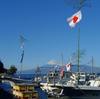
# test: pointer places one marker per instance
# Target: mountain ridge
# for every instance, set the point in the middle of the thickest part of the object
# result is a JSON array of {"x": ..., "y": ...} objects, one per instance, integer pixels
[{"x": 44, "y": 69}]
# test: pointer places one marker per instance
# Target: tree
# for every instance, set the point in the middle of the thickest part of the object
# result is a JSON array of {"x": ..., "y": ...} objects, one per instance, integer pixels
[
  {"x": 2, "y": 69},
  {"x": 12, "y": 70},
  {"x": 75, "y": 57},
  {"x": 37, "y": 71}
]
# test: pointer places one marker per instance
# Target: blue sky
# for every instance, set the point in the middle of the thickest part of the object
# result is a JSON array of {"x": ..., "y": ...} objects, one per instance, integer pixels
[{"x": 43, "y": 24}]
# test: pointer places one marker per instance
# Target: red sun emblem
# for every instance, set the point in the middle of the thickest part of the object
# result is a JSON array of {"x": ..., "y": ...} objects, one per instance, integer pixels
[{"x": 75, "y": 18}]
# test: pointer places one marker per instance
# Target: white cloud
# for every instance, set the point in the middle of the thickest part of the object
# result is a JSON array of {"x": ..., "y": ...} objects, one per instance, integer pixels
[{"x": 52, "y": 62}]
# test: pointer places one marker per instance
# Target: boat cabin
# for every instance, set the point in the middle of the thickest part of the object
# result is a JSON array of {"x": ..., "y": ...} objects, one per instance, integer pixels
[{"x": 24, "y": 91}]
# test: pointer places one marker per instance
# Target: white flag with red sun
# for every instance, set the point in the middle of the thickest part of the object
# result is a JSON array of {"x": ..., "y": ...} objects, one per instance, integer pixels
[
  {"x": 68, "y": 66},
  {"x": 74, "y": 19}
]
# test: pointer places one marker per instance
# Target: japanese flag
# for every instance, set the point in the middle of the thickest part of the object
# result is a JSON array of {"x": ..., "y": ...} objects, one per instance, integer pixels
[
  {"x": 68, "y": 66},
  {"x": 62, "y": 72},
  {"x": 74, "y": 19}
]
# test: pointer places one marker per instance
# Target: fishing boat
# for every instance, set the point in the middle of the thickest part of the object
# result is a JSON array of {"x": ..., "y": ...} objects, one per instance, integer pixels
[
  {"x": 75, "y": 90},
  {"x": 53, "y": 83}
]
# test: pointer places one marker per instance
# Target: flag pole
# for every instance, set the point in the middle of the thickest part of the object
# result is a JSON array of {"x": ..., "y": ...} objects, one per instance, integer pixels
[
  {"x": 21, "y": 61},
  {"x": 78, "y": 45},
  {"x": 22, "y": 40}
]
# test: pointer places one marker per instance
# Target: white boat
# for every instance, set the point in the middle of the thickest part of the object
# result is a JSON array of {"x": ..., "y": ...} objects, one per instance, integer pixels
[{"x": 90, "y": 89}]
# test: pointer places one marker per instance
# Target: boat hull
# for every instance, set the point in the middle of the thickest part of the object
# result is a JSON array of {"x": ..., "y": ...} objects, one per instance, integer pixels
[
  {"x": 81, "y": 92},
  {"x": 80, "y": 97}
]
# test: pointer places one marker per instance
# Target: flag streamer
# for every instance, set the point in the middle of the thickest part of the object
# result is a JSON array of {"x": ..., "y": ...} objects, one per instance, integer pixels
[{"x": 22, "y": 57}]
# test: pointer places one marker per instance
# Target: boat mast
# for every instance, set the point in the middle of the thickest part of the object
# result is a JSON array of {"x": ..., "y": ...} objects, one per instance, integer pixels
[
  {"x": 92, "y": 65},
  {"x": 62, "y": 58},
  {"x": 78, "y": 56}
]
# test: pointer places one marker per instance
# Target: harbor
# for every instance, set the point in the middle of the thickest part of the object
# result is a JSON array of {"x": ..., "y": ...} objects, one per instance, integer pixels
[
  {"x": 49, "y": 49},
  {"x": 64, "y": 89}
]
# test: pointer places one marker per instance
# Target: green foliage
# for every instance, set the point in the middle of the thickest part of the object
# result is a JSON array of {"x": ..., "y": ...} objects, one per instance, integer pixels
[
  {"x": 12, "y": 70},
  {"x": 2, "y": 69},
  {"x": 75, "y": 57}
]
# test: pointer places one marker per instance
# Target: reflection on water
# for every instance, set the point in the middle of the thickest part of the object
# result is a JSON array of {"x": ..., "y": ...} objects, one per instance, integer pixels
[{"x": 42, "y": 94}]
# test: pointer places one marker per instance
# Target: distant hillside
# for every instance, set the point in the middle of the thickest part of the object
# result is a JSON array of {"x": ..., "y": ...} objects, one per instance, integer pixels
[
  {"x": 46, "y": 68},
  {"x": 86, "y": 68}
]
